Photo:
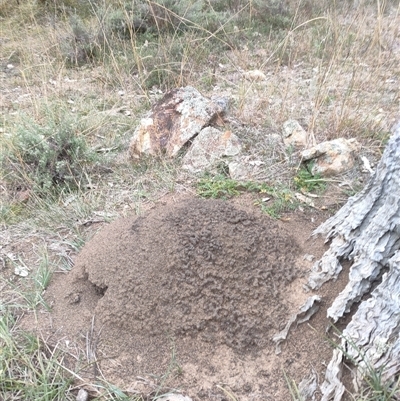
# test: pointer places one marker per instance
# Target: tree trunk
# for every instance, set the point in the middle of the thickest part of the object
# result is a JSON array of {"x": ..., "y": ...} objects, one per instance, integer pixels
[{"x": 366, "y": 231}]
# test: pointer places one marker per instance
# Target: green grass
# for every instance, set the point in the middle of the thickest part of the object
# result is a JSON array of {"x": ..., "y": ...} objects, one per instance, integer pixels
[
  {"x": 11, "y": 212},
  {"x": 29, "y": 370},
  {"x": 283, "y": 201},
  {"x": 35, "y": 281},
  {"x": 220, "y": 186}
]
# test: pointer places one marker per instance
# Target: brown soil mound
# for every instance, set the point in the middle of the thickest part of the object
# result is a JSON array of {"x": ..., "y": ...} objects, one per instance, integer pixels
[
  {"x": 214, "y": 271},
  {"x": 190, "y": 296}
]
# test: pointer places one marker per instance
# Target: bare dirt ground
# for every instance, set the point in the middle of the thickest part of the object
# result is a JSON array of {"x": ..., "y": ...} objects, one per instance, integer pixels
[{"x": 188, "y": 297}]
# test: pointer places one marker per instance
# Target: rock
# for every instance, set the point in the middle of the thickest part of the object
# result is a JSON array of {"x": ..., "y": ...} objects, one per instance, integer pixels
[
  {"x": 255, "y": 75},
  {"x": 174, "y": 397},
  {"x": 308, "y": 257},
  {"x": 332, "y": 157},
  {"x": 304, "y": 199},
  {"x": 208, "y": 147},
  {"x": 83, "y": 395},
  {"x": 21, "y": 271},
  {"x": 175, "y": 119},
  {"x": 243, "y": 169},
  {"x": 23, "y": 196},
  {"x": 294, "y": 135}
]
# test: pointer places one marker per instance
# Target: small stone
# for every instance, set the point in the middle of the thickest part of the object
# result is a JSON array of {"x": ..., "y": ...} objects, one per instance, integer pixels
[
  {"x": 174, "y": 397},
  {"x": 83, "y": 395},
  {"x": 75, "y": 298},
  {"x": 23, "y": 196},
  {"x": 367, "y": 165},
  {"x": 304, "y": 199},
  {"x": 308, "y": 257},
  {"x": 255, "y": 75},
  {"x": 21, "y": 271},
  {"x": 10, "y": 67},
  {"x": 294, "y": 135}
]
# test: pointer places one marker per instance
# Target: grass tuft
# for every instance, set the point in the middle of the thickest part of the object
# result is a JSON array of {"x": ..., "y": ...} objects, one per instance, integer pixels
[
  {"x": 220, "y": 186},
  {"x": 29, "y": 370}
]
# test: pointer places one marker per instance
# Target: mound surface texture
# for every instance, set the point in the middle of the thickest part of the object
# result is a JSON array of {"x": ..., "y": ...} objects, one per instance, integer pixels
[{"x": 200, "y": 268}]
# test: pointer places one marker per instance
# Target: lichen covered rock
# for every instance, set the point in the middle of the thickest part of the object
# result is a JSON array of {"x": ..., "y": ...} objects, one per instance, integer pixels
[{"x": 175, "y": 119}]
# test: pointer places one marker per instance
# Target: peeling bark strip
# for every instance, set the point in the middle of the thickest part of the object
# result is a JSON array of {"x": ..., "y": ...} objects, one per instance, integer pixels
[
  {"x": 366, "y": 231},
  {"x": 309, "y": 309}
]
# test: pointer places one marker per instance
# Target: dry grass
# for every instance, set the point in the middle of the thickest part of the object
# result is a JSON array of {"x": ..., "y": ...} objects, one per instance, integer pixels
[{"x": 333, "y": 66}]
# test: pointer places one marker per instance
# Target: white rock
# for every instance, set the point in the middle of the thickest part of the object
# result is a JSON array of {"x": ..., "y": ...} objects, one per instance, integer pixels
[
  {"x": 294, "y": 135},
  {"x": 174, "y": 397},
  {"x": 243, "y": 169},
  {"x": 308, "y": 257},
  {"x": 255, "y": 75},
  {"x": 174, "y": 120},
  {"x": 367, "y": 164},
  {"x": 83, "y": 395},
  {"x": 332, "y": 157},
  {"x": 304, "y": 199},
  {"x": 21, "y": 271},
  {"x": 208, "y": 147}
]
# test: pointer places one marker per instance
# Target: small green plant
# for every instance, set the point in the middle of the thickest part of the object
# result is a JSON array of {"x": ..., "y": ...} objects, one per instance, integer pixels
[
  {"x": 218, "y": 186},
  {"x": 283, "y": 201},
  {"x": 306, "y": 181},
  {"x": 52, "y": 156},
  {"x": 81, "y": 45},
  {"x": 221, "y": 186}
]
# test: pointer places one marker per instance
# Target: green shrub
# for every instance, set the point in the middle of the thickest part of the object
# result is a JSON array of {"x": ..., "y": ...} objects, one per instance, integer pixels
[
  {"x": 81, "y": 45},
  {"x": 47, "y": 157}
]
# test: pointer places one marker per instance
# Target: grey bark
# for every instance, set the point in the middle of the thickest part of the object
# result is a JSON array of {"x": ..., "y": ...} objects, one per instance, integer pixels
[{"x": 366, "y": 231}]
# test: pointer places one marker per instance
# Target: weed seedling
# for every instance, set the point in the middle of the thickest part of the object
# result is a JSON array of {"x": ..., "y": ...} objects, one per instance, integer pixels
[{"x": 306, "y": 181}]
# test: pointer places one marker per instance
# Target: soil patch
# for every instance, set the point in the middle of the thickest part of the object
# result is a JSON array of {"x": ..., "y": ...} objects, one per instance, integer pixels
[{"x": 189, "y": 296}]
